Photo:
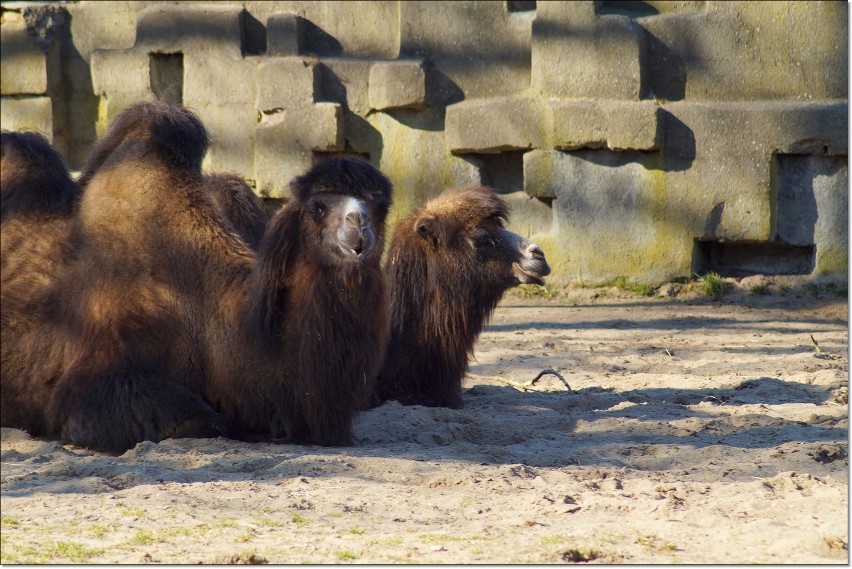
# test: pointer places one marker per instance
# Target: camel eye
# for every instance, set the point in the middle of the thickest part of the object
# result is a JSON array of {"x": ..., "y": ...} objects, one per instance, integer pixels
[
  {"x": 317, "y": 208},
  {"x": 481, "y": 239}
]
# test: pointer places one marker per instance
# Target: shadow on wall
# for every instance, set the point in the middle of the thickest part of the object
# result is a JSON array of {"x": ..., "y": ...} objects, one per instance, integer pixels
[{"x": 677, "y": 152}]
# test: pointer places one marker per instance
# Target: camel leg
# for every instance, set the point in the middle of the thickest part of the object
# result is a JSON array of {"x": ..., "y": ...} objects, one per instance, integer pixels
[
  {"x": 114, "y": 412},
  {"x": 326, "y": 422}
]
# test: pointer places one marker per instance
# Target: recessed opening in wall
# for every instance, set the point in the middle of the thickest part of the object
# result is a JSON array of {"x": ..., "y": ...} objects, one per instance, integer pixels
[
  {"x": 166, "y": 71},
  {"x": 504, "y": 171},
  {"x": 743, "y": 259},
  {"x": 521, "y": 5}
]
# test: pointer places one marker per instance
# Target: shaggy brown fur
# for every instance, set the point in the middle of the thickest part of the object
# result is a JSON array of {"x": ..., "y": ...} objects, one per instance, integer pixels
[
  {"x": 153, "y": 319},
  {"x": 38, "y": 201},
  {"x": 33, "y": 178},
  {"x": 448, "y": 266},
  {"x": 236, "y": 203}
]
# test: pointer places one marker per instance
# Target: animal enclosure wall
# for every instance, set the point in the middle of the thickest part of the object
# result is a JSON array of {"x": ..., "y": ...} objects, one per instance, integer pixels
[{"x": 643, "y": 139}]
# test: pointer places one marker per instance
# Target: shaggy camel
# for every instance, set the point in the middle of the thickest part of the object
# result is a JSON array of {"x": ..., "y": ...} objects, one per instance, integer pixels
[
  {"x": 448, "y": 266},
  {"x": 148, "y": 317}
]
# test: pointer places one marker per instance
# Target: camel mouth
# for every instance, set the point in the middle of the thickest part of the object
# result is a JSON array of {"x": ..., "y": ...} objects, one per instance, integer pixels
[
  {"x": 356, "y": 243},
  {"x": 531, "y": 273},
  {"x": 355, "y": 254}
]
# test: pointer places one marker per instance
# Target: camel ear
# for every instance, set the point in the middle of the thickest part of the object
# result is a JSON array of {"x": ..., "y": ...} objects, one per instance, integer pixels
[{"x": 427, "y": 227}]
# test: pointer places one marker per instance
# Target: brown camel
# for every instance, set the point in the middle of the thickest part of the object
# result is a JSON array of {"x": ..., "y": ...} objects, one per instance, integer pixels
[
  {"x": 150, "y": 317},
  {"x": 448, "y": 266},
  {"x": 471, "y": 260}
]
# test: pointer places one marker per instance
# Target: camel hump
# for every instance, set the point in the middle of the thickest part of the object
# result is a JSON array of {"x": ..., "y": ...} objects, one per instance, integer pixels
[
  {"x": 238, "y": 205},
  {"x": 172, "y": 133},
  {"x": 34, "y": 177}
]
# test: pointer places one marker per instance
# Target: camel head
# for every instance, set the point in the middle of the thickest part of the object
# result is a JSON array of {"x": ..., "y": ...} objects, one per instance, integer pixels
[
  {"x": 345, "y": 201},
  {"x": 465, "y": 225}
]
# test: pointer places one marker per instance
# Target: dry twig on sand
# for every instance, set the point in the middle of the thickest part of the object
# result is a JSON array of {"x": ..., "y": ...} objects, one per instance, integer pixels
[{"x": 528, "y": 386}]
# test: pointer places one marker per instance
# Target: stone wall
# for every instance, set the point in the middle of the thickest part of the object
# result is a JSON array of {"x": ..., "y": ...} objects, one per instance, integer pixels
[{"x": 652, "y": 140}]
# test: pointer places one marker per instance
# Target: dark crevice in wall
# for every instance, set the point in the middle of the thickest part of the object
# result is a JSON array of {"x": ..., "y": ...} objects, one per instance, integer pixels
[
  {"x": 742, "y": 259},
  {"x": 316, "y": 41},
  {"x": 252, "y": 35},
  {"x": 504, "y": 171},
  {"x": 633, "y": 9},
  {"x": 521, "y": 5},
  {"x": 167, "y": 76}
]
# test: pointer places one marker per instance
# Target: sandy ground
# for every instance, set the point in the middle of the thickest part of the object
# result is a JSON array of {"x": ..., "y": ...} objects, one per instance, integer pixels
[{"x": 695, "y": 431}]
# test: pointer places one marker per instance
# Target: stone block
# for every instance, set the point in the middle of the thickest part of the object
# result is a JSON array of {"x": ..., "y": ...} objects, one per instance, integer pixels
[
  {"x": 220, "y": 77},
  {"x": 577, "y": 55},
  {"x": 808, "y": 128},
  {"x": 580, "y": 12},
  {"x": 616, "y": 125},
  {"x": 119, "y": 78},
  {"x": 121, "y": 70},
  {"x": 831, "y": 189},
  {"x": 27, "y": 113},
  {"x": 350, "y": 29},
  {"x": 324, "y": 131},
  {"x": 479, "y": 49},
  {"x": 93, "y": 27},
  {"x": 170, "y": 29},
  {"x": 24, "y": 62},
  {"x": 277, "y": 160},
  {"x": 397, "y": 85},
  {"x": 721, "y": 156},
  {"x": 283, "y": 34},
  {"x": 795, "y": 196},
  {"x": 285, "y": 143},
  {"x": 489, "y": 126},
  {"x": 715, "y": 179},
  {"x": 347, "y": 81},
  {"x": 287, "y": 83},
  {"x": 737, "y": 51}
]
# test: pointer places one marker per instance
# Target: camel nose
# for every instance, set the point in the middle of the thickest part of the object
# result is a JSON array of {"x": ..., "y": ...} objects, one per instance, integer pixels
[
  {"x": 535, "y": 252},
  {"x": 535, "y": 258},
  {"x": 355, "y": 220}
]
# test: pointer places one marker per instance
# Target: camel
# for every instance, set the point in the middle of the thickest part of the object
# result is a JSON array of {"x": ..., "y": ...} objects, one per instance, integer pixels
[
  {"x": 152, "y": 318},
  {"x": 428, "y": 356},
  {"x": 448, "y": 266}
]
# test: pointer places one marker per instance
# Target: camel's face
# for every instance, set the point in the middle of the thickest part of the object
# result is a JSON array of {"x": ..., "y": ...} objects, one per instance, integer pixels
[
  {"x": 346, "y": 200},
  {"x": 506, "y": 257},
  {"x": 349, "y": 226},
  {"x": 465, "y": 228}
]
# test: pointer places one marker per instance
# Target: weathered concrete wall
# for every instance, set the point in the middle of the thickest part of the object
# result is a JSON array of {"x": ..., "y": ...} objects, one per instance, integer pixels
[{"x": 650, "y": 139}]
